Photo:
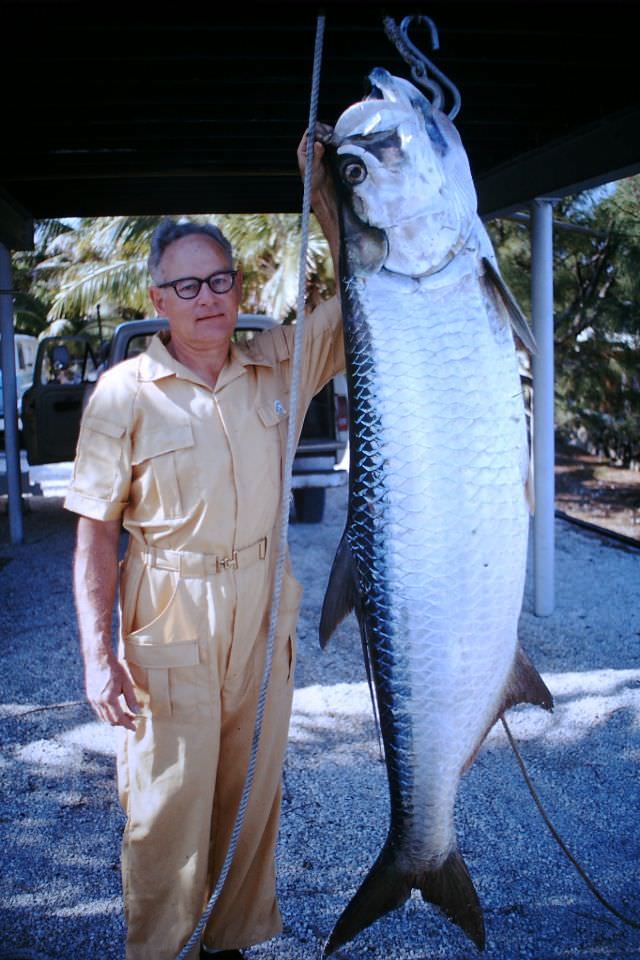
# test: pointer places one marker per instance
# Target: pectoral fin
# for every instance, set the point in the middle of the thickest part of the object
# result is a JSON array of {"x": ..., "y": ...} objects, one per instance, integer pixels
[{"x": 517, "y": 318}]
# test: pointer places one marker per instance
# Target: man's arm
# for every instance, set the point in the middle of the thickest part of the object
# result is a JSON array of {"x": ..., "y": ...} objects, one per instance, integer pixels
[
  {"x": 95, "y": 573},
  {"x": 323, "y": 195}
]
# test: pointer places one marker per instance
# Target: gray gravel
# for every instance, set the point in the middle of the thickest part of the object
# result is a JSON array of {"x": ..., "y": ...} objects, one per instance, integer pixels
[{"x": 60, "y": 821}]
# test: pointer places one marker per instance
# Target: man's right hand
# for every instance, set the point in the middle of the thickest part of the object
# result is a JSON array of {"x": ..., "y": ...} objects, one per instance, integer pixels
[{"x": 107, "y": 684}]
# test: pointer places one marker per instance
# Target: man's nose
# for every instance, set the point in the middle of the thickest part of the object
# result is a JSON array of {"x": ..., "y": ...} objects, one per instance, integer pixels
[{"x": 206, "y": 294}]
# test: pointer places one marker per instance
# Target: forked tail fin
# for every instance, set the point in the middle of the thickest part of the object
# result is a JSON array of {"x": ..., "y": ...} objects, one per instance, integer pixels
[
  {"x": 389, "y": 883},
  {"x": 451, "y": 889}
]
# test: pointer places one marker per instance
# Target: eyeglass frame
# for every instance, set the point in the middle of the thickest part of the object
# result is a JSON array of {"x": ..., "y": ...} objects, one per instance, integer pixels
[{"x": 200, "y": 280}]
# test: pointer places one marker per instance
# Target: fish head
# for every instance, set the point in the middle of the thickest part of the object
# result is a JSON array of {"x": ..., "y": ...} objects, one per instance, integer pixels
[{"x": 403, "y": 172}]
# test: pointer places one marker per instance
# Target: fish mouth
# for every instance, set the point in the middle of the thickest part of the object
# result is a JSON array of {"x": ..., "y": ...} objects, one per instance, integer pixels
[{"x": 366, "y": 247}]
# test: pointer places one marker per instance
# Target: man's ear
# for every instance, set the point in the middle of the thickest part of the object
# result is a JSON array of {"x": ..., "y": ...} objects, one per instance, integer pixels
[{"x": 156, "y": 296}]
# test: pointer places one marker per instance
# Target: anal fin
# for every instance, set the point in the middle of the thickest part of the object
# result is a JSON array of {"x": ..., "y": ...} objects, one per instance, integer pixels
[{"x": 525, "y": 685}]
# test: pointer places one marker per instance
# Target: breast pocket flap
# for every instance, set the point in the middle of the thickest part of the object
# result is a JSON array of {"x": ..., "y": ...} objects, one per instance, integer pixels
[
  {"x": 105, "y": 427},
  {"x": 153, "y": 443},
  {"x": 153, "y": 655},
  {"x": 271, "y": 416}
]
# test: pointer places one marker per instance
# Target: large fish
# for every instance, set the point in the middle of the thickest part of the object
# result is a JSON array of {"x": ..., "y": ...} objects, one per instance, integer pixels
[{"x": 433, "y": 556}]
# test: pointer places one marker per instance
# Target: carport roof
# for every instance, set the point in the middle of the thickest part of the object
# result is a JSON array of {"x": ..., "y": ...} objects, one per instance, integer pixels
[{"x": 145, "y": 109}]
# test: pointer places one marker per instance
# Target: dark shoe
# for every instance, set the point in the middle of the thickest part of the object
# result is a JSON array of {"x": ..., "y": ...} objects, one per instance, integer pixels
[{"x": 222, "y": 955}]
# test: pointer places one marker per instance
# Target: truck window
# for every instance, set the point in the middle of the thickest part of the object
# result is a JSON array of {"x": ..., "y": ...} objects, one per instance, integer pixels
[
  {"x": 137, "y": 344},
  {"x": 67, "y": 361}
]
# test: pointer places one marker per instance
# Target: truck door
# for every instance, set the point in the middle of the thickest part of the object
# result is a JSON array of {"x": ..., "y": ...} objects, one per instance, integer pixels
[{"x": 65, "y": 369}]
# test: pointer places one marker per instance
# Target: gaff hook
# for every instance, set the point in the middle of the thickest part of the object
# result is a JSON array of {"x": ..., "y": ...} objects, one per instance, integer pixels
[{"x": 420, "y": 64}]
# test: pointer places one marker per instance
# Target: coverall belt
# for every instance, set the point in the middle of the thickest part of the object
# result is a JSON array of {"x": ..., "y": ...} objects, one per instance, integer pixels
[{"x": 189, "y": 564}]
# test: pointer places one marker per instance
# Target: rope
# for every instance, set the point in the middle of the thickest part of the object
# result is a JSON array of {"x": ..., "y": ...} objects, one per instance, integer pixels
[
  {"x": 284, "y": 514},
  {"x": 556, "y": 836}
]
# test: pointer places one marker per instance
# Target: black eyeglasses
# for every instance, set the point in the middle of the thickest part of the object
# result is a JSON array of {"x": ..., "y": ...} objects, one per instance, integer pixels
[{"x": 188, "y": 288}]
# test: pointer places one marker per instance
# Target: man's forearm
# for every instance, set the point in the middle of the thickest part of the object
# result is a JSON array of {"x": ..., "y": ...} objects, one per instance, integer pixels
[
  {"x": 326, "y": 212},
  {"x": 95, "y": 573},
  {"x": 95, "y": 578}
]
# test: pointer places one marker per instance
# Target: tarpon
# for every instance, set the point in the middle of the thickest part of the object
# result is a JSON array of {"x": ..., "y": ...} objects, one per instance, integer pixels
[{"x": 434, "y": 553}]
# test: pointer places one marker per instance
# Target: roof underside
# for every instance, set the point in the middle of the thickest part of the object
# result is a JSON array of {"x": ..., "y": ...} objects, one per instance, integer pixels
[{"x": 140, "y": 109}]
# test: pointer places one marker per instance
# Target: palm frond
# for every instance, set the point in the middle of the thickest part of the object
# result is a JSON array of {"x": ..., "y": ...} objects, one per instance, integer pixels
[{"x": 121, "y": 283}]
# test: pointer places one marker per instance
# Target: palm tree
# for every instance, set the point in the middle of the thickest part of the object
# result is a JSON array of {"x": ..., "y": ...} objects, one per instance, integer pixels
[{"x": 101, "y": 263}]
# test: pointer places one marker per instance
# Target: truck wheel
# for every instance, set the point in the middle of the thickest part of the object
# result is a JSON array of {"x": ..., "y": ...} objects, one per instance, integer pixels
[{"x": 309, "y": 503}]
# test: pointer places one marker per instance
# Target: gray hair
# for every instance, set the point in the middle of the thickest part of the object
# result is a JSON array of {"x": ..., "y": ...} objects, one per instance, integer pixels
[{"x": 168, "y": 231}]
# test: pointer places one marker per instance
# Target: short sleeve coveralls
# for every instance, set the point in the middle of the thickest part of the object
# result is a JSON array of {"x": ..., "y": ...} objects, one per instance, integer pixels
[{"x": 196, "y": 475}]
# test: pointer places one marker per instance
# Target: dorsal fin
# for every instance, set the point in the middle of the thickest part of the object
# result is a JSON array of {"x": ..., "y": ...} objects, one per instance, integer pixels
[
  {"x": 341, "y": 597},
  {"x": 341, "y": 593}
]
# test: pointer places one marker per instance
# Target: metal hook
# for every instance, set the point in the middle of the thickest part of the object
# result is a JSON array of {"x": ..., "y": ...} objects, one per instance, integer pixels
[
  {"x": 404, "y": 27},
  {"x": 419, "y": 63}
]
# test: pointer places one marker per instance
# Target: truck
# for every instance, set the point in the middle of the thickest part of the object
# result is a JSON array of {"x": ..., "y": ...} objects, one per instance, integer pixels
[
  {"x": 68, "y": 367},
  {"x": 25, "y": 354}
]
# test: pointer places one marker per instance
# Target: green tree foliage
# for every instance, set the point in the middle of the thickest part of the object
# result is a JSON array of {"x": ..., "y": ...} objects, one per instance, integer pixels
[
  {"x": 597, "y": 315},
  {"x": 34, "y": 291},
  {"x": 94, "y": 271},
  {"x": 88, "y": 268}
]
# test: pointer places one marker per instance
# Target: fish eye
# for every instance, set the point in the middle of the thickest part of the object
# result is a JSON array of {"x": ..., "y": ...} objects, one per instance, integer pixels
[{"x": 353, "y": 171}]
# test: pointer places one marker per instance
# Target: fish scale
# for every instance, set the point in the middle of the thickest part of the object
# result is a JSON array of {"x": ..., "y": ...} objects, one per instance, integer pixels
[
  {"x": 416, "y": 578},
  {"x": 433, "y": 556}
]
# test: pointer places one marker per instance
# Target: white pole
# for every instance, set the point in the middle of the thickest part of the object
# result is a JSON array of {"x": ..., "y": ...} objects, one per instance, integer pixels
[
  {"x": 543, "y": 392},
  {"x": 9, "y": 395}
]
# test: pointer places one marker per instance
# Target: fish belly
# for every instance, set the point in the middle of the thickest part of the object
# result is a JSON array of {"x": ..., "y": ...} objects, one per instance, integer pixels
[{"x": 438, "y": 530}]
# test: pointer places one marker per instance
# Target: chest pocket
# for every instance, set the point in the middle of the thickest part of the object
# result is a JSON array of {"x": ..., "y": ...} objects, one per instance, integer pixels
[
  {"x": 162, "y": 452},
  {"x": 275, "y": 415}
]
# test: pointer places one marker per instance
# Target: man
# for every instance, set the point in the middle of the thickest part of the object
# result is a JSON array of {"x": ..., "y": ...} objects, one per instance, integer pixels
[{"x": 184, "y": 447}]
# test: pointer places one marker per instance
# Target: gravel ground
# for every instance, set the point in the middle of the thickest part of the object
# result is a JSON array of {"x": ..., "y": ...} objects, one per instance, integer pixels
[{"x": 60, "y": 821}]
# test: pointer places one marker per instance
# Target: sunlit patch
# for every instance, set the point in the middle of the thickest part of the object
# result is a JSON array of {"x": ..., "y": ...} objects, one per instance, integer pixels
[
  {"x": 584, "y": 701},
  {"x": 64, "y": 750},
  {"x": 90, "y": 908}
]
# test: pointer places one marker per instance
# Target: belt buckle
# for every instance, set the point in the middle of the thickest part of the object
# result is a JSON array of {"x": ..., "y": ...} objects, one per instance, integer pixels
[{"x": 227, "y": 563}]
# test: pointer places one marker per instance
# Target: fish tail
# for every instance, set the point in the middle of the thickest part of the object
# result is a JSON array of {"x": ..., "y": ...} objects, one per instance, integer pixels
[
  {"x": 451, "y": 889},
  {"x": 389, "y": 883},
  {"x": 385, "y": 887}
]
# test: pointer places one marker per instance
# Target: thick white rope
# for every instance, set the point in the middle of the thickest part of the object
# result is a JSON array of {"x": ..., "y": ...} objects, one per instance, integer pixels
[{"x": 286, "y": 495}]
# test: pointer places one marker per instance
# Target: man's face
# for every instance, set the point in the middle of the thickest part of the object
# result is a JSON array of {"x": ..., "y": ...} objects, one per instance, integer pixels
[{"x": 209, "y": 319}]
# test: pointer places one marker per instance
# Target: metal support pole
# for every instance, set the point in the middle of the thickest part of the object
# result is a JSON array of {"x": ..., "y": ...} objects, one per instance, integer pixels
[
  {"x": 543, "y": 393},
  {"x": 10, "y": 398}
]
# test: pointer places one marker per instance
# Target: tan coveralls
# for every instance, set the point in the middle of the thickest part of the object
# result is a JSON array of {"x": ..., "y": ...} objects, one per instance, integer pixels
[{"x": 196, "y": 475}]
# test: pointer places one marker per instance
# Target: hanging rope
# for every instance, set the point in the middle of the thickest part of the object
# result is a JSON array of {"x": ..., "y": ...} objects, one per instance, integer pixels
[{"x": 286, "y": 495}]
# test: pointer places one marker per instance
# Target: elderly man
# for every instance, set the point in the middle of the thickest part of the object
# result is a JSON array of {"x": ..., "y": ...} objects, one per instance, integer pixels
[{"x": 184, "y": 446}]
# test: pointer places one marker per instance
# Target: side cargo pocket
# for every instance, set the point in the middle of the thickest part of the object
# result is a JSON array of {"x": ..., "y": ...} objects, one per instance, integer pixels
[{"x": 164, "y": 653}]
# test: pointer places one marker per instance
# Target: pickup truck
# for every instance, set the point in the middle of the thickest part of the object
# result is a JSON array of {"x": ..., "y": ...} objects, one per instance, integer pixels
[
  {"x": 25, "y": 354},
  {"x": 67, "y": 368}
]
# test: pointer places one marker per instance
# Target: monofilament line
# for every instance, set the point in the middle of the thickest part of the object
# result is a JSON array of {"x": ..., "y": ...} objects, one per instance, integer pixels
[{"x": 556, "y": 836}]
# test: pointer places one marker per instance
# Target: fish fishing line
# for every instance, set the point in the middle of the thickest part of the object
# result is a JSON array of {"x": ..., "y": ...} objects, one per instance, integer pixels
[{"x": 556, "y": 836}]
